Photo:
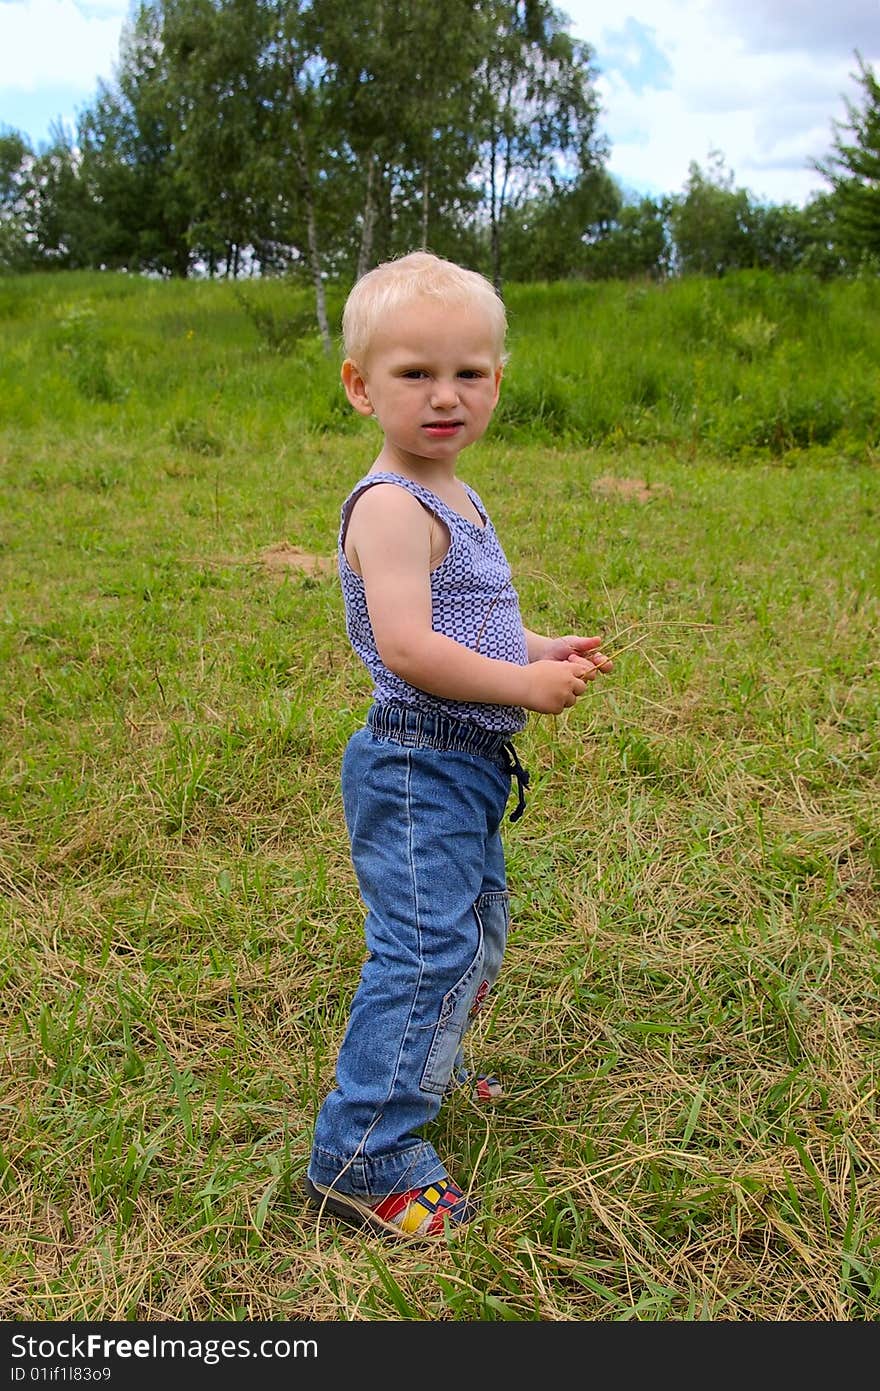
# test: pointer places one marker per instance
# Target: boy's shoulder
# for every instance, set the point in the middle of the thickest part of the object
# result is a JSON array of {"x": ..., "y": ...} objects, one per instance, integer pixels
[
  {"x": 396, "y": 500},
  {"x": 384, "y": 485},
  {"x": 384, "y": 497},
  {"x": 390, "y": 489}
]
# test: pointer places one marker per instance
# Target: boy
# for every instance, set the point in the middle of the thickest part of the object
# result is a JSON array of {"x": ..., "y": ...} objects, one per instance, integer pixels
[{"x": 433, "y": 614}]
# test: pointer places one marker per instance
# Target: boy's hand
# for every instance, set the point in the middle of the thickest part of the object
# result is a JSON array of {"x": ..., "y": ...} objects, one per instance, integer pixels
[
  {"x": 553, "y": 686},
  {"x": 574, "y": 649}
]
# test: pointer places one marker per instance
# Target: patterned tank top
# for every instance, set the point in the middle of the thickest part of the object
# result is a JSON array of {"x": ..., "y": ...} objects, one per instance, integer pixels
[{"x": 473, "y": 601}]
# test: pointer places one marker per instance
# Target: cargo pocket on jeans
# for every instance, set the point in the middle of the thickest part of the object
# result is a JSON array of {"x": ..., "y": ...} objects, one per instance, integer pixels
[
  {"x": 493, "y": 915},
  {"x": 454, "y": 1016}
]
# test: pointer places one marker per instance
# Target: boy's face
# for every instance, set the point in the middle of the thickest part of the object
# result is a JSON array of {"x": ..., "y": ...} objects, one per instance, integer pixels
[{"x": 431, "y": 378}]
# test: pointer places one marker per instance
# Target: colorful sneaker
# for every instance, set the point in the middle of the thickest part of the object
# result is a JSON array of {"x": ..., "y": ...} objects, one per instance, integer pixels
[
  {"x": 486, "y": 1088},
  {"x": 483, "y": 1087},
  {"x": 420, "y": 1212}
]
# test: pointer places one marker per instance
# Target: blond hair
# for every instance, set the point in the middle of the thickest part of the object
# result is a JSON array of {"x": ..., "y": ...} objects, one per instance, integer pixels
[{"x": 420, "y": 274}]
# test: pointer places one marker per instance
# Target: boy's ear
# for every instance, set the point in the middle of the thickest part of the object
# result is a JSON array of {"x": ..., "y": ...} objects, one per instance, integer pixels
[
  {"x": 499, "y": 373},
  {"x": 356, "y": 387}
]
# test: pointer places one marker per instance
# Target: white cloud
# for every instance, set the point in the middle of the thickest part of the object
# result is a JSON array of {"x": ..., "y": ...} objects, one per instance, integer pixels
[
  {"x": 810, "y": 26},
  {"x": 57, "y": 43},
  {"x": 759, "y": 80}
]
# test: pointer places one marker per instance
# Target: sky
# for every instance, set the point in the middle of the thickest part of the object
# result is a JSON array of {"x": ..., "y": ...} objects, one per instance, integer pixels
[{"x": 760, "y": 81}]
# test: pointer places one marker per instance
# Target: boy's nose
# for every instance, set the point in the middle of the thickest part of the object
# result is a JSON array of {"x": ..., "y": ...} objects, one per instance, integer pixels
[{"x": 444, "y": 394}]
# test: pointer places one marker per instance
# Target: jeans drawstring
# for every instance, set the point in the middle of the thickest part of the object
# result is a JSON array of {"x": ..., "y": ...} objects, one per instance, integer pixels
[{"x": 513, "y": 765}]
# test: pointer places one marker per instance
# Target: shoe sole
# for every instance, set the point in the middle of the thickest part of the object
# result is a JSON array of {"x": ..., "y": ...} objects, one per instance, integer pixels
[{"x": 359, "y": 1214}]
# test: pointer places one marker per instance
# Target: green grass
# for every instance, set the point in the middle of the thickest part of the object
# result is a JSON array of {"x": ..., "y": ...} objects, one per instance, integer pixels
[{"x": 687, "y": 1019}]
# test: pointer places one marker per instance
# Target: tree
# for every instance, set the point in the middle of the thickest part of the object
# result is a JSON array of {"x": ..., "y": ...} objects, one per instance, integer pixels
[
  {"x": 853, "y": 168},
  {"x": 825, "y": 253},
  {"x": 45, "y": 219},
  {"x": 131, "y": 164},
  {"x": 213, "y": 53},
  {"x": 786, "y": 238},
  {"x": 16, "y": 241},
  {"x": 63, "y": 223},
  {"x": 439, "y": 138},
  {"x": 547, "y": 236},
  {"x": 634, "y": 245},
  {"x": 401, "y": 83},
  {"x": 711, "y": 221},
  {"x": 540, "y": 110}
]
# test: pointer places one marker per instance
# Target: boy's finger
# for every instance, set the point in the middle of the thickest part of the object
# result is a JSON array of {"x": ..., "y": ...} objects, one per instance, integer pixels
[{"x": 601, "y": 662}]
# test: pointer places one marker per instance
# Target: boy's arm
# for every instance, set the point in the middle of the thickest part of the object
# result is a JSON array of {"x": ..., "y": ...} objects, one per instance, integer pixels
[{"x": 390, "y": 533}]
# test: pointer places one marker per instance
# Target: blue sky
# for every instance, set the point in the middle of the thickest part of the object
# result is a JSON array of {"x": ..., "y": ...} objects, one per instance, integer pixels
[{"x": 759, "y": 80}]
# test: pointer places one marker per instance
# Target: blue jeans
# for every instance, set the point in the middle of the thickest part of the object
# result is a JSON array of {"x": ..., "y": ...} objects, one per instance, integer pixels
[{"x": 424, "y": 797}]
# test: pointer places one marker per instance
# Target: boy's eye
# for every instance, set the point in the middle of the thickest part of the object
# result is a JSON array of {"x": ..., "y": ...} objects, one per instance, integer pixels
[
  {"x": 414, "y": 374},
  {"x": 470, "y": 373}
]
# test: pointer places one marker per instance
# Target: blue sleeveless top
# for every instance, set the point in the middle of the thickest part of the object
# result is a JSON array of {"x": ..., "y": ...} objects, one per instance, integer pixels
[{"x": 473, "y": 601}]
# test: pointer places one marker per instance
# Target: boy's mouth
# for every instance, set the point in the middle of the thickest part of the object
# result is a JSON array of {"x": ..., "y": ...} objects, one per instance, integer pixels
[{"x": 442, "y": 429}]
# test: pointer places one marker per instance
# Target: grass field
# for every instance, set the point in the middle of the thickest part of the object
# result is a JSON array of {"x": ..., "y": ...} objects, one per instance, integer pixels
[{"x": 688, "y": 1019}]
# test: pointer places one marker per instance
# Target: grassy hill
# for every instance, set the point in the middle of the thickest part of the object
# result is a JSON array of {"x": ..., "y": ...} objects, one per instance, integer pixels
[{"x": 753, "y": 365}]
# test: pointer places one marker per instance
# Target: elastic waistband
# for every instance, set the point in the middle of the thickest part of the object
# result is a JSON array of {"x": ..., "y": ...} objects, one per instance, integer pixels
[{"x": 426, "y": 729}]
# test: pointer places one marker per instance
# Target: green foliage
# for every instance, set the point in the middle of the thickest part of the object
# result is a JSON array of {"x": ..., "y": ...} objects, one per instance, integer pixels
[
  {"x": 754, "y": 336},
  {"x": 541, "y": 112},
  {"x": 853, "y": 169},
  {"x": 405, "y": 85},
  {"x": 86, "y": 354},
  {"x": 710, "y": 222},
  {"x": 279, "y": 329},
  {"x": 131, "y": 165},
  {"x": 754, "y": 364},
  {"x": 15, "y": 155},
  {"x": 240, "y": 133},
  {"x": 748, "y": 365},
  {"x": 635, "y": 245},
  {"x": 583, "y": 228}
]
